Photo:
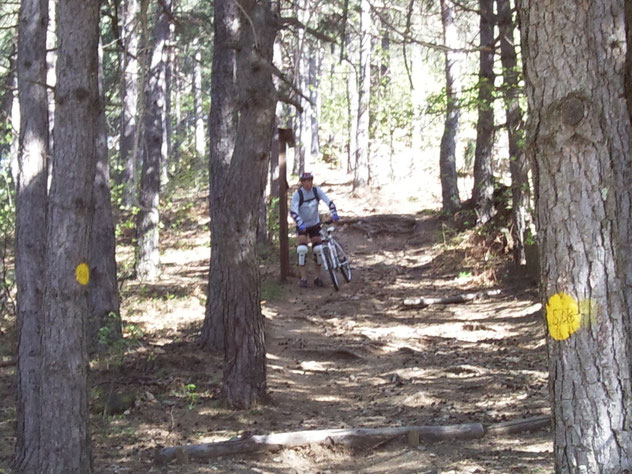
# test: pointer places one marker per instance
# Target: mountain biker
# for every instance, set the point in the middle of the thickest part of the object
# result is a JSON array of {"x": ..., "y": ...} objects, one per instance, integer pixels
[{"x": 304, "y": 211}]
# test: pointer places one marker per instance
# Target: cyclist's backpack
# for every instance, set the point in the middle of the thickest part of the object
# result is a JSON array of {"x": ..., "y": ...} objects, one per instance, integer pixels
[{"x": 301, "y": 198}]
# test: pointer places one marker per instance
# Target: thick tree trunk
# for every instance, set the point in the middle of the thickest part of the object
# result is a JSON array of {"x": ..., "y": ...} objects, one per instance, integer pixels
[
  {"x": 148, "y": 265},
  {"x": 129, "y": 99},
  {"x": 64, "y": 417},
  {"x": 580, "y": 144},
  {"x": 104, "y": 323},
  {"x": 30, "y": 235},
  {"x": 223, "y": 132},
  {"x": 245, "y": 355},
  {"x": 482, "y": 194},
  {"x": 362, "y": 176},
  {"x": 518, "y": 166},
  {"x": 447, "y": 158}
]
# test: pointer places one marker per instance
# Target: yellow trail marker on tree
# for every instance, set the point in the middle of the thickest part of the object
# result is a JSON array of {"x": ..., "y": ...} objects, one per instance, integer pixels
[
  {"x": 563, "y": 316},
  {"x": 82, "y": 273}
]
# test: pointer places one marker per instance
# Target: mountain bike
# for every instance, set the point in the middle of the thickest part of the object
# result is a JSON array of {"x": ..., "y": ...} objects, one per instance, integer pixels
[{"x": 334, "y": 256}]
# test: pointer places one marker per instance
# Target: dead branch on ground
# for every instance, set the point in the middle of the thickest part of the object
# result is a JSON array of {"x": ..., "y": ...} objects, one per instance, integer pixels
[
  {"x": 462, "y": 298},
  {"x": 350, "y": 436}
]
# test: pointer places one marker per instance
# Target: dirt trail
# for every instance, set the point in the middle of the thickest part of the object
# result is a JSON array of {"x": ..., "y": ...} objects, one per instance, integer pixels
[
  {"x": 352, "y": 358},
  {"x": 363, "y": 361}
]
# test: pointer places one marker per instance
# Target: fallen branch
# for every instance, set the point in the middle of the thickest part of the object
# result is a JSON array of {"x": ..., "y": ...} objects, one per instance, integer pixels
[
  {"x": 272, "y": 441},
  {"x": 8, "y": 362},
  {"x": 518, "y": 426},
  {"x": 463, "y": 298}
]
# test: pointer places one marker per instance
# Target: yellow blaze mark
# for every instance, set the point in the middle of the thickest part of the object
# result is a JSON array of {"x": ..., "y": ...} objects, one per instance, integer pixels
[
  {"x": 563, "y": 316},
  {"x": 82, "y": 274}
]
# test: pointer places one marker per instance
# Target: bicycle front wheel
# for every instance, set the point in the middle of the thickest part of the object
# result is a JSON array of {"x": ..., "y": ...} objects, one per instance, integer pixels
[
  {"x": 343, "y": 259},
  {"x": 330, "y": 267}
]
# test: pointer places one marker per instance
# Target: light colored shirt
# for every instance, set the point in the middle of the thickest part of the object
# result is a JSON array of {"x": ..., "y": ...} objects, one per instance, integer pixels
[{"x": 306, "y": 213}]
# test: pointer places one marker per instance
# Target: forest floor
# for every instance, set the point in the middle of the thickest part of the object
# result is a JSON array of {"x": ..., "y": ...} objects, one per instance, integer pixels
[{"x": 356, "y": 358}]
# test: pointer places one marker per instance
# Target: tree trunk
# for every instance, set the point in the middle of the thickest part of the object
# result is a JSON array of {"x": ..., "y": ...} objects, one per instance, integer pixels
[
  {"x": 128, "y": 156},
  {"x": 362, "y": 177},
  {"x": 165, "y": 115},
  {"x": 447, "y": 158},
  {"x": 518, "y": 166},
  {"x": 315, "y": 70},
  {"x": 482, "y": 194},
  {"x": 200, "y": 133},
  {"x": 30, "y": 234},
  {"x": 352, "y": 116},
  {"x": 104, "y": 323},
  {"x": 245, "y": 355},
  {"x": 222, "y": 129},
  {"x": 580, "y": 144},
  {"x": 64, "y": 417},
  {"x": 301, "y": 122},
  {"x": 148, "y": 265}
]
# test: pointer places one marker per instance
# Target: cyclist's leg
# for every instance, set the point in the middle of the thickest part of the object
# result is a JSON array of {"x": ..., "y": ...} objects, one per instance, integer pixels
[
  {"x": 301, "y": 250},
  {"x": 318, "y": 254}
]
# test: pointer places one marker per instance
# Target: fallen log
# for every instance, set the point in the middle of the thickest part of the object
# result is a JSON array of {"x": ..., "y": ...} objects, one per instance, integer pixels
[
  {"x": 463, "y": 298},
  {"x": 8, "y": 362},
  {"x": 518, "y": 426},
  {"x": 350, "y": 436}
]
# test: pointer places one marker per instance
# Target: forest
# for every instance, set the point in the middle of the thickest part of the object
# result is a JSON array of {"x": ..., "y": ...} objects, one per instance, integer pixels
[{"x": 474, "y": 157}]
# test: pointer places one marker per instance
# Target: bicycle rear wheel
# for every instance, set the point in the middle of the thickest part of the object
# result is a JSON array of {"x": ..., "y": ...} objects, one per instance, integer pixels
[
  {"x": 330, "y": 267},
  {"x": 343, "y": 259}
]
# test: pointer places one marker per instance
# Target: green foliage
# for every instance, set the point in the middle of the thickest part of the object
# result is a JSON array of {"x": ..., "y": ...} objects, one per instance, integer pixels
[
  {"x": 273, "y": 219},
  {"x": 191, "y": 395},
  {"x": 7, "y": 230},
  {"x": 271, "y": 291}
]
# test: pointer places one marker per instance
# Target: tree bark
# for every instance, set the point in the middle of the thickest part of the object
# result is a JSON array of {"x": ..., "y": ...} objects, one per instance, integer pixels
[
  {"x": 518, "y": 165},
  {"x": 352, "y": 116},
  {"x": 30, "y": 234},
  {"x": 580, "y": 144},
  {"x": 245, "y": 355},
  {"x": 128, "y": 149},
  {"x": 482, "y": 194},
  {"x": 148, "y": 265},
  {"x": 362, "y": 175},
  {"x": 104, "y": 323},
  {"x": 222, "y": 129},
  {"x": 64, "y": 417},
  {"x": 447, "y": 158},
  {"x": 200, "y": 133}
]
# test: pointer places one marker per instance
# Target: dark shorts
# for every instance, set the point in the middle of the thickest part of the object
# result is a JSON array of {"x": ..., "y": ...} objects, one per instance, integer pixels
[{"x": 312, "y": 231}]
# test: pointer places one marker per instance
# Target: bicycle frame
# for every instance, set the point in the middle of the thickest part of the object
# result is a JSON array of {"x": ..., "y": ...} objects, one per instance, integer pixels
[{"x": 334, "y": 257}]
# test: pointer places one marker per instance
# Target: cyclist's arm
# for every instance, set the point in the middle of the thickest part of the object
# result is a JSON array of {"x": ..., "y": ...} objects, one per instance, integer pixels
[
  {"x": 329, "y": 202},
  {"x": 294, "y": 209}
]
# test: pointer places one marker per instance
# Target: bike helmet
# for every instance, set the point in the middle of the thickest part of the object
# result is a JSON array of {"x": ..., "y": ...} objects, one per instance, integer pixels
[{"x": 306, "y": 176}]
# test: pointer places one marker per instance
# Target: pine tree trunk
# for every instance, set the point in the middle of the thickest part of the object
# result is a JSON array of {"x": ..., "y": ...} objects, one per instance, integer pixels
[
  {"x": 129, "y": 100},
  {"x": 223, "y": 132},
  {"x": 245, "y": 355},
  {"x": 518, "y": 166},
  {"x": 315, "y": 70},
  {"x": 30, "y": 226},
  {"x": 362, "y": 177},
  {"x": 575, "y": 66},
  {"x": 64, "y": 418},
  {"x": 200, "y": 133},
  {"x": 104, "y": 307},
  {"x": 352, "y": 116},
  {"x": 447, "y": 158},
  {"x": 148, "y": 265},
  {"x": 483, "y": 192}
]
